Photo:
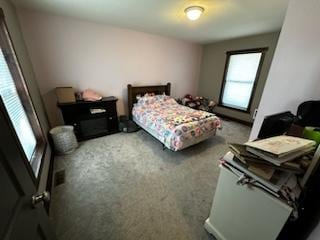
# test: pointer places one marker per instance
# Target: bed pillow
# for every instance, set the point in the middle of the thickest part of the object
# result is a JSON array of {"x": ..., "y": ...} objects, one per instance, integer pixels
[
  {"x": 145, "y": 95},
  {"x": 149, "y": 94},
  {"x": 148, "y": 100}
]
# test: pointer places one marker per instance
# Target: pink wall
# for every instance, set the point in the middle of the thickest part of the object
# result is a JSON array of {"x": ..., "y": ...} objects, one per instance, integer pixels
[{"x": 82, "y": 54}]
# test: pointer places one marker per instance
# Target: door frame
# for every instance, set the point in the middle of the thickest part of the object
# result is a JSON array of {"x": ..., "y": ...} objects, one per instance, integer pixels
[{"x": 16, "y": 72}]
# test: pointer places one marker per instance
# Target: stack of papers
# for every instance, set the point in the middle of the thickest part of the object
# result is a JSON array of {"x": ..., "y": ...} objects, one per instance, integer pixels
[
  {"x": 276, "y": 163},
  {"x": 276, "y": 154},
  {"x": 274, "y": 185},
  {"x": 280, "y": 149}
]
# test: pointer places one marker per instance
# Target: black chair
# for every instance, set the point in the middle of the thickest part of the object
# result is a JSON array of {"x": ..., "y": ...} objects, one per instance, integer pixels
[{"x": 308, "y": 114}]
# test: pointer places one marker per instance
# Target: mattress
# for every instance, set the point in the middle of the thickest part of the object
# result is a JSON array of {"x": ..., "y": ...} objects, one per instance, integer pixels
[{"x": 176, "y": 126}]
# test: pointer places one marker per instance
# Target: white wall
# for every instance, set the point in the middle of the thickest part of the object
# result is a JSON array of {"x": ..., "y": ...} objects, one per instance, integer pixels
[
  {"x": 82, "y": 54},
  {"x": 294, "y": 75}
]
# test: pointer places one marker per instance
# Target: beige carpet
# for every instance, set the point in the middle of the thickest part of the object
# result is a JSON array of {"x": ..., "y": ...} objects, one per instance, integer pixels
[{"x": 124, "y": 186}]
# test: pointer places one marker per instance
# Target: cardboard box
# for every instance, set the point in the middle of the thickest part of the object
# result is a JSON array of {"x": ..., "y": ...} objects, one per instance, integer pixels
[{"x": 65, "y": 95}]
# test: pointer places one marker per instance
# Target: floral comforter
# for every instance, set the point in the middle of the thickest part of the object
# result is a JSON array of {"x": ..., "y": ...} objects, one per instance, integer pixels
[{"x": 172, "y": 123}]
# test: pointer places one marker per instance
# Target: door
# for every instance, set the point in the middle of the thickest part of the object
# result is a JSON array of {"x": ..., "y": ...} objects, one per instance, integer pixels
[{"x": 20, "y": 217}]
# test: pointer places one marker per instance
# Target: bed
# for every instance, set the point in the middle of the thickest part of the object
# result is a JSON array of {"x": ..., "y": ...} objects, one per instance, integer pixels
[{"x": 176, "y": 126}]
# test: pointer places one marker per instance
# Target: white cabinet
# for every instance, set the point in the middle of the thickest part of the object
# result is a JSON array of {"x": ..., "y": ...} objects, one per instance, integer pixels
[{"x": 242, "y": 212}]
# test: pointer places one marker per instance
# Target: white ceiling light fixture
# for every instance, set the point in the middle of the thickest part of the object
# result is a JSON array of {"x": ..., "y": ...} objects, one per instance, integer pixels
[{"x": 194, "y": 12}]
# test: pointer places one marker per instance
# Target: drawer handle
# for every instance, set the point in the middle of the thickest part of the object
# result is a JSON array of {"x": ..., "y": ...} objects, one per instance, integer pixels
[
  {"x": 97, "y": 110},
  {"x": 110, "y": 118}
]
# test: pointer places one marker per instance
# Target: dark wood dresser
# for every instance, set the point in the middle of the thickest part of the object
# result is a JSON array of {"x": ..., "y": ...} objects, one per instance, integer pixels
[{"x": 91, "y": 119}]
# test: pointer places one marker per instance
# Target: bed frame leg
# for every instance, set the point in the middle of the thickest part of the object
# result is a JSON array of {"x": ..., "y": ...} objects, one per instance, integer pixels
[{"x": 163, "y": 147}]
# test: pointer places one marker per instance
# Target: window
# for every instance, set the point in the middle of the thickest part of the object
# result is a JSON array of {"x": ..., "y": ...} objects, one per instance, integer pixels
[
  {"x": 16, "y": 103},
  {"x": 240, "y": 78},
  {"x": 15, "y": 109}
]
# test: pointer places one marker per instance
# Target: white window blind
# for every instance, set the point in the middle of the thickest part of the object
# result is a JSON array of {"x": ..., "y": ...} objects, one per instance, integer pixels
[
  {"x": 15, "y": 109},
  {"x": 240, "y": 78}
]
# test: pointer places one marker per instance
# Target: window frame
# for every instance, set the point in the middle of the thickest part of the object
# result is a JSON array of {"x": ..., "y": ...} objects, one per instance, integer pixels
[
  {"x": 263, "y": 51},
  {"x": 15, "y": 69}
]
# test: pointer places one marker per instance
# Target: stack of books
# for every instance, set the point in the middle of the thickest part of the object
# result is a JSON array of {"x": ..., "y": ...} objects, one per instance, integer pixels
[{"x": 282, "y": 153}]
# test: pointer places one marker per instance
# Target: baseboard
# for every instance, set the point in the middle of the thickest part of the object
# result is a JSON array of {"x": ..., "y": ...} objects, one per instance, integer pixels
[{"x": 235, "y": 119}]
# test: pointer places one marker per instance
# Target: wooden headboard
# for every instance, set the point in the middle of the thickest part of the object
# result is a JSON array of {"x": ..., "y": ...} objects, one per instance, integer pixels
[{"x": 133, "y": 92}]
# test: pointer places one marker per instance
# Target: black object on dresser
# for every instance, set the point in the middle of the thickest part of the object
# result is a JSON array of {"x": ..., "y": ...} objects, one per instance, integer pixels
[{"x": 91, "y": 119}]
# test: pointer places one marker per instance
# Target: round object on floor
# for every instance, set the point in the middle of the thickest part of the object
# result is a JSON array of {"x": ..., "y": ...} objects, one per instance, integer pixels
[
  {"x": 64, "y": 139},
  {"x": 128, "y": 126}
]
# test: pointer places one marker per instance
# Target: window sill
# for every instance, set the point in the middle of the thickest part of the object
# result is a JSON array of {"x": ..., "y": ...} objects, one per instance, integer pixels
[
  {"x": 235, "y": 109},
  {"x": 36, "y": 162}
]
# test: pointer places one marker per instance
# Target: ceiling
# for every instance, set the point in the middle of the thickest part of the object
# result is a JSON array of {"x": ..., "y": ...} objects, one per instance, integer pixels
[{"x": 222, "y": 19}]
